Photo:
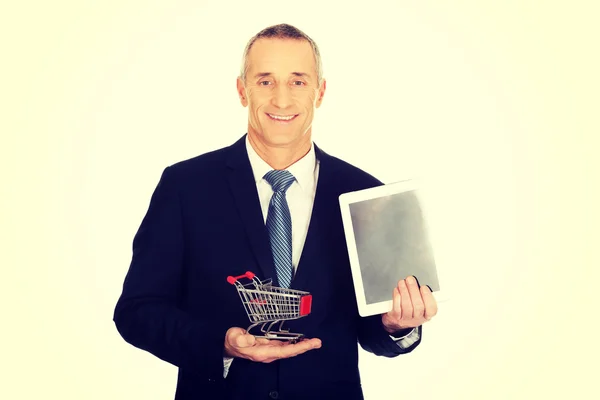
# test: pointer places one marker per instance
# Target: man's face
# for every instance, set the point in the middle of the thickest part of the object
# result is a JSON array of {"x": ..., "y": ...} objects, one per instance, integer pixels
[{"x": 281, "y": 92}]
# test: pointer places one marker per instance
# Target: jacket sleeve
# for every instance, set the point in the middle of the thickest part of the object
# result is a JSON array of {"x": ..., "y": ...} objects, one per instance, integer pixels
[
  {"x": 373, "y": 338},
  {"x": 146, "y": 314}
]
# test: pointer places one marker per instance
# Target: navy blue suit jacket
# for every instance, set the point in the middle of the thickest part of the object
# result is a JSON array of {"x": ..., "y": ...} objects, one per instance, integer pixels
[{"x": 203, "y": 224}]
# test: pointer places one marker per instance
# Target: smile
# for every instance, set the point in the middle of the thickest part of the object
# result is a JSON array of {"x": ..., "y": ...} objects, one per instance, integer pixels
[{"x": 283, "y": 118}]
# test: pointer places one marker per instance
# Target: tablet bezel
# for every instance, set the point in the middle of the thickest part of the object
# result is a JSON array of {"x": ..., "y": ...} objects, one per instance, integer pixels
[{"x": 345, "y": 200}]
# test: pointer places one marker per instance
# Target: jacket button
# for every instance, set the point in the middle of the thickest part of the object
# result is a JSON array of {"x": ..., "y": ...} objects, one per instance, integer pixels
[{"x": 274, "y": 394}]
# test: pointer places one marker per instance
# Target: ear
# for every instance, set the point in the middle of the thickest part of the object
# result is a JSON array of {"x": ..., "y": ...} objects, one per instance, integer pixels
[
  {"x": 241, "y": 89},
  {"x": 322, "y": 89}
]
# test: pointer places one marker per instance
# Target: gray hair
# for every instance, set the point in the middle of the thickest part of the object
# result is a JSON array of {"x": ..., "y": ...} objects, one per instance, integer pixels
[{"x": 282, "y": 31}]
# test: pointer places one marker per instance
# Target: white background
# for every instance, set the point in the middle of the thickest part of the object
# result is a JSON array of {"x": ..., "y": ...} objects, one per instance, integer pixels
[{"x": 494, "y": 104}]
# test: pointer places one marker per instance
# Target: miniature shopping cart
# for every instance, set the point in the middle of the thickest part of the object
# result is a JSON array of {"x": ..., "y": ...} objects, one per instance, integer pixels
[{"x": 268, "y": 305}]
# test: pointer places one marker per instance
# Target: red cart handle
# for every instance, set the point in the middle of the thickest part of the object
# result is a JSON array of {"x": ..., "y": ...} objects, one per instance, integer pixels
[{"x": 233, "y": 279}]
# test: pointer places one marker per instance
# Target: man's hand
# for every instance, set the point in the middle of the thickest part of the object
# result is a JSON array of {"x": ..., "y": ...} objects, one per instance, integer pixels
[
  {"x": 412, "y": 306},
  {"x": 239, "y": 343}
]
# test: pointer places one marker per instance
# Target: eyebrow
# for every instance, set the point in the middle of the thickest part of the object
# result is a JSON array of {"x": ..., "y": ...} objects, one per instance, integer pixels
[{"x": 299, "y": 74}]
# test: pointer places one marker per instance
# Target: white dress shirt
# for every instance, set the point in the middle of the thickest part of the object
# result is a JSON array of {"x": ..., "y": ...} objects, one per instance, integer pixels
[{"x": 300, "y": 197}]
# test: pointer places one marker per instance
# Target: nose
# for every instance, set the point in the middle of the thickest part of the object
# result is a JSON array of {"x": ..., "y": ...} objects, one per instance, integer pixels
[{"x": 282, "y": 97}]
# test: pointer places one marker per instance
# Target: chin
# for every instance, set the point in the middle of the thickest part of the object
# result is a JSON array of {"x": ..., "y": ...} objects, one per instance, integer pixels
[
  {"x": 281, "y": 141},
  {"x": 281, "y": 138}
]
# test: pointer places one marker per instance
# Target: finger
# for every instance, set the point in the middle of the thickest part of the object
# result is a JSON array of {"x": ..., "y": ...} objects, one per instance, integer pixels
[
  {"x": 295, "y": 349},
  {"x": 277, "y": 342},
  {"x": 315, "y": 343},
  {"x": 407, "y": 307},
  {"x": 260, "y": 341},
  {"x": 430, "y": 302},
  {"x": 276, "y": 349},
  {"x": 415, "y": 297},
  {"x": 396, "y": 311}
]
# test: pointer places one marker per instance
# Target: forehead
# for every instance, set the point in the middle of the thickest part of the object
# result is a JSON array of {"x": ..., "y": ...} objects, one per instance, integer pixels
[{"x": 281, "y": 56}]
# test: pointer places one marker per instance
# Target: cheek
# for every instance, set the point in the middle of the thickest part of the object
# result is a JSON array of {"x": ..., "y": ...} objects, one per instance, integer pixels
[
  {"x": 256, "y": 102},
  {"x": 308, "y": 100},
  {"x": 258, "y": 95}
]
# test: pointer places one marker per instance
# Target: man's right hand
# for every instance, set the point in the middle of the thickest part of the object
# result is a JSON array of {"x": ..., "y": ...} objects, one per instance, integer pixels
[{"x": 241, "y": 344}]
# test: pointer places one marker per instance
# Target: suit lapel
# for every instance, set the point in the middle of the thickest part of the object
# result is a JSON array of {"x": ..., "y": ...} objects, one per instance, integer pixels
[
  {"x": 245, "y": 194},
  {"x": 326, "y": 187}
]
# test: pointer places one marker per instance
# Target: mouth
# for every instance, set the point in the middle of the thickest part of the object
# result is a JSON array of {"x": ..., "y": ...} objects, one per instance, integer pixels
[{"x": 282, "y": 118}]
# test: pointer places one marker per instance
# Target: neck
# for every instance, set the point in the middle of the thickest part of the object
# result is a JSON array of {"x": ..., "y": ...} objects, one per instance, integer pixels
[{"x": 281, "y": 157}]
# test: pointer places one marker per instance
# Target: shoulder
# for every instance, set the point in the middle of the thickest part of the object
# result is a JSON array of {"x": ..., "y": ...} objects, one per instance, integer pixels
[
  {"x": 211, "y": 163},
  {"x": 348, "y": 176},
  {"x": 207, "y": 168},
  {"x": 201, "y": 163}
]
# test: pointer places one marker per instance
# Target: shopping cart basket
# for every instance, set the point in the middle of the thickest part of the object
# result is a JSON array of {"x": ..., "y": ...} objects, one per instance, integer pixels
[{"x": 268, "y": 305}]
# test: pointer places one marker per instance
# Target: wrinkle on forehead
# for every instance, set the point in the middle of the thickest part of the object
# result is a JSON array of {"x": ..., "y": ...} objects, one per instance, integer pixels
[{"x": 282, "y": 57}]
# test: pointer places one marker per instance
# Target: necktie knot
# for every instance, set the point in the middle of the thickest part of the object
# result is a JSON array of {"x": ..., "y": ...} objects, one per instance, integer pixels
[{"x": 280, "y": 180}]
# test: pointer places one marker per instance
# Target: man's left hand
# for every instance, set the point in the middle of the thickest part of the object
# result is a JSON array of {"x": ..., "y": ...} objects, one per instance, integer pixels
[{"x": 412, "y": 306}]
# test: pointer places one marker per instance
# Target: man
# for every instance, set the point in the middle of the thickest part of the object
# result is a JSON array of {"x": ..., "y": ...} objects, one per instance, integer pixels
[{"x": 268, "y": 204}]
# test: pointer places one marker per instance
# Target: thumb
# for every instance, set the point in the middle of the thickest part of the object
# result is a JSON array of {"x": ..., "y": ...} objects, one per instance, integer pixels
[{"x": 244, "y": 339}]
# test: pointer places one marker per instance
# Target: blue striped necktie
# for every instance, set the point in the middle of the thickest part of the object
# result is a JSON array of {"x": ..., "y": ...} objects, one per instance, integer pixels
[{"x": 279, "y": 224}]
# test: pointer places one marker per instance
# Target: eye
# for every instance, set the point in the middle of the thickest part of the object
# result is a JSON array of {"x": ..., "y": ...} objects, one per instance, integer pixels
[
  {"x": 299, "y": 83},
  {"x": 264, "y": 83}
]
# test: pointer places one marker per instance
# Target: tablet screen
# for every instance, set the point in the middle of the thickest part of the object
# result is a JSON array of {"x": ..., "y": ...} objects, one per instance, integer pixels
[{"x": 391, "y": 240}]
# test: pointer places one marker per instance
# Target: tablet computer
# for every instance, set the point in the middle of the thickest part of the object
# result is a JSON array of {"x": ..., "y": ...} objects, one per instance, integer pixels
[{"x": 388, "y": 237}]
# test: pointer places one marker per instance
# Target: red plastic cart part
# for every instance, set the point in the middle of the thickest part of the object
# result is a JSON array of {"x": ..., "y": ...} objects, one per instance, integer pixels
[
  {"x": 305, "y": 304},
  {"x": 233, "y": 279}
]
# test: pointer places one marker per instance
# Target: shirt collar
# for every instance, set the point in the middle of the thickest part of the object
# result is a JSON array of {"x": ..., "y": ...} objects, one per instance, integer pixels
[{"x": 303, "y": 169}]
